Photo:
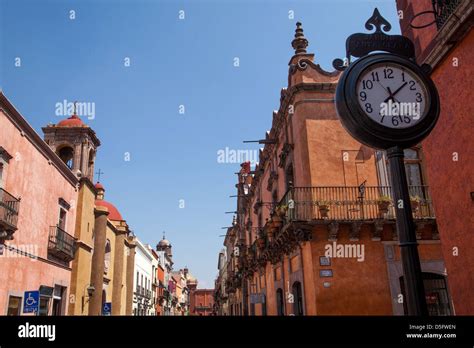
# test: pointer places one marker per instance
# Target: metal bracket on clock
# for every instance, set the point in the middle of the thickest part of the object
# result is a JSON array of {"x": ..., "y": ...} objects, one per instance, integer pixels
[{"x": 359, "y": 44}]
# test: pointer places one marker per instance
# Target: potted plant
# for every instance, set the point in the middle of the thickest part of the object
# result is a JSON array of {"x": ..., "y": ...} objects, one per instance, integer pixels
[
  {"x": 383, "y": 203},
  {"x": 281, "y": 210},
  {"x": 323, "y": 208},
  {"x": 415, "y": 203}
]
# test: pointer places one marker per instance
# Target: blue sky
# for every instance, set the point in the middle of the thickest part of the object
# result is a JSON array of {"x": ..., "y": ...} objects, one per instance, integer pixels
[{"x": 173, "y": 62}]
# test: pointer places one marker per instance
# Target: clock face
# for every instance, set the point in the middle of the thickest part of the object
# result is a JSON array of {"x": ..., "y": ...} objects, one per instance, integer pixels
[{"x": 392, "y": 95}]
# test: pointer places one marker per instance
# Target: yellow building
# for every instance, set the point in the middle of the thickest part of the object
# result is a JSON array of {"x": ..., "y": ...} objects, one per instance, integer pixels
[{"x": 102, "y": 268}]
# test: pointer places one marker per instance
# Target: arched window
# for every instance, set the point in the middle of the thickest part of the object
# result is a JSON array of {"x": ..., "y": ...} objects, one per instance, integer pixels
[
  {"x": 66, "y": 153},
  {"x": 280, "y": 302},
  {"x": 90, "y": 164},
  {"x": 436, "y": 294},
  {"x": 108, "y": 253},
  {"x": 298, "y": 299}
]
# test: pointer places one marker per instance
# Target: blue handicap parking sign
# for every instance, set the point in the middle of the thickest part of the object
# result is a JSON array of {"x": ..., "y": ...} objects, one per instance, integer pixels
[
  {"x": 107, "y": 308},
  {"x": 31, "y": 302}
]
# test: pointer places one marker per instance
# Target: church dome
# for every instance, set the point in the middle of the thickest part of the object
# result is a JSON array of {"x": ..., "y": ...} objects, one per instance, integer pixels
[
  {"x": 114, "y": 214},
  {"x": 164, "y": 243},
  {"x": 73, "y": 121}
]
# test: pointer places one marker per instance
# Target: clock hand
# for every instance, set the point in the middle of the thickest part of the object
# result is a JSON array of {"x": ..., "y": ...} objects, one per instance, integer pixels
[
  {"x": 396, "y": 91},
  {"x": 387, "y": 89}
]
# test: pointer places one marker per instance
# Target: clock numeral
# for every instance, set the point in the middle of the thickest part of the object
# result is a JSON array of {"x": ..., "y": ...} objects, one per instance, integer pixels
[
  {"x": 381, "y": 120},
  {"x": 412, "y": 85},
  {"x": 419, "y": 98},
  {"x": 397, "y": 120},
  {"x": 403, "y": 76},
  {"x": 388, "y": 73},
  {"x": 368, "y": 107},
  {"x": 367, "y": 84},
  {"x": 375, "y": 76},
  {"x": 363, "y": 96}
]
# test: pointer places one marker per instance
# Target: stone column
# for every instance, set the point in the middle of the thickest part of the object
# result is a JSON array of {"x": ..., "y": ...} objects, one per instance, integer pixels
[
  {"x": 130, "y": 275},
  {"x": 119, "y": 257},
  {"x": 97, "y": 272}
]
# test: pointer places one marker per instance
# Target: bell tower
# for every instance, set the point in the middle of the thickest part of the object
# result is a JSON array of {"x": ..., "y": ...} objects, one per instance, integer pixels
[{"x": 75, "y": 143}]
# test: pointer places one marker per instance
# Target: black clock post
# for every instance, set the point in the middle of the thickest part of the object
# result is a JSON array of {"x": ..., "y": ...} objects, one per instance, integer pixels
[
  {"x": 398, "y": 52},
  {"x": 415, "y": 291}
]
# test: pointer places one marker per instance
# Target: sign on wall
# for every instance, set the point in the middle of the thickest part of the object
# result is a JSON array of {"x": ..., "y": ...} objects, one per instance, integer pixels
[{"x": 31, "y": 302}]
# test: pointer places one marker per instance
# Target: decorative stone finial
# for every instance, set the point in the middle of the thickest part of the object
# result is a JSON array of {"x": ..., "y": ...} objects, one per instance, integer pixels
[{"x": 299, "y": 43}]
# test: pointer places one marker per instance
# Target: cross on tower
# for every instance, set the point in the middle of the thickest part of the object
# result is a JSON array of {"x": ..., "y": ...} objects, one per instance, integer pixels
[
  {"x": 99, "y": 173},
  {"x": 75, "y": 109}
]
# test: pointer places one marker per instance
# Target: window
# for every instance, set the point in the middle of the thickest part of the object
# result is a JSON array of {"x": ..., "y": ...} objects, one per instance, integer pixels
[
  {"x": 66, "y": 154},
  {"x": 107, "y": 256},
  {"x": 58, "y": 300},
  {"x": 44, "y": 305},
  {"x": 436, "y": 293},
  {"x": 298, "y": 299},
  {"x": 14, "y": 305},
  {"x": 62, "y": 219},
  {"x": 413, "y": 167},
  {"x": 280, "y": 302}
]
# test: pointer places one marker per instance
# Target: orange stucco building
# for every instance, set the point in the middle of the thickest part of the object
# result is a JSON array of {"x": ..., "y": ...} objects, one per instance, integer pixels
[
  {"x": 38, "y": 193},
  {"x": 315, "y": 227},
  {"x": 202, "y": 302},
  {"x": 447, "y": 43}
]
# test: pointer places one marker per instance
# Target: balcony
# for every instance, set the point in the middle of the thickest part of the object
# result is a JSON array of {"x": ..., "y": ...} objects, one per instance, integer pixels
[
  {"x": 443, "y": 9},
  {"x": 351, "y": 203},
  {"x": 61, "y": 244},
  {"x": 9, "y": 206}
]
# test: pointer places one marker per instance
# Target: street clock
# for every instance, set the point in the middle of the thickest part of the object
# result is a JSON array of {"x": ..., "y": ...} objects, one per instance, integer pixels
[{"x": 385, "y": 100}]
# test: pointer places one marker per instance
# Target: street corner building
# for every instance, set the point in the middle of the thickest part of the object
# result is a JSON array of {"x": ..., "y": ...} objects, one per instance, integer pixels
[
  {"x": 446, "y": 43},
  {"x": 315, "y": 231},
  {"x": 58, "y": 235}
]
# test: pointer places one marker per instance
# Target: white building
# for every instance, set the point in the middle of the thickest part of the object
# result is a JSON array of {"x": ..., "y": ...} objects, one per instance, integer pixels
[
  {"x": 143, "y": 278},
  {"x": 165, "y": 259},
  {"x": 154, "y": 280}
]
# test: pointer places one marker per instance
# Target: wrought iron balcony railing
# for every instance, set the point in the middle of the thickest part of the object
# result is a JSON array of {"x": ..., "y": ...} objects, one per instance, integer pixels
[
  {"x": 9, "y": 206},
  {"x": 443, "y": 9},
  {"x": 348, "y": 203},
  {"x": 61, "y": 244}
]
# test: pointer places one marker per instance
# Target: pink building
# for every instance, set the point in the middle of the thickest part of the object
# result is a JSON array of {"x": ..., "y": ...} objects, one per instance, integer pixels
[{"x": 38, "y": 192}]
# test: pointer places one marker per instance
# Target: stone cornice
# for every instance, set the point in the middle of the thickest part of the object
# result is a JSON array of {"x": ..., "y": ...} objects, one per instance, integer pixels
[
  {"x": 77, "y": 130},
  {"x": 83, "y": 245},
  {"x": 458, "y": 25},
  {"x": 27, "y": 131}
]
